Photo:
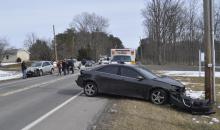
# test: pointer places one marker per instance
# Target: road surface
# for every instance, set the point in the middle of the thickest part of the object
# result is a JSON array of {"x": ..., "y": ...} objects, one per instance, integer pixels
[{"x": 49, "y": 102}]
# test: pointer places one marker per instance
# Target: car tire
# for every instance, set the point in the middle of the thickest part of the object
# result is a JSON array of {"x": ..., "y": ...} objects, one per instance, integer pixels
[
  {"x": 158, "y": 96},
  {"x": 90, "y": 89},
  {"x": 52, "y": 70}
]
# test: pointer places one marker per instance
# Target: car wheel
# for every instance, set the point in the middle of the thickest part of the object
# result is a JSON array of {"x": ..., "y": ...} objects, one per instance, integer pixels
[
  {"x": 90, "y": 89},
  {"x": 158, "y": 97},
  {"x": 52, "y": 70}
]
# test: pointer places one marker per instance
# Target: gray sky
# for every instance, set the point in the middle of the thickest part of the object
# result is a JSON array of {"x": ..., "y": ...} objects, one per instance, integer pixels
[{"x": 21, "y": 17}]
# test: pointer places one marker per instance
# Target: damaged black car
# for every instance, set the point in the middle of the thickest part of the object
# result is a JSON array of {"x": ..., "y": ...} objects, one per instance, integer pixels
[
  {"x": 129, "y": 80},
  {"x": 137, "y": 81}
]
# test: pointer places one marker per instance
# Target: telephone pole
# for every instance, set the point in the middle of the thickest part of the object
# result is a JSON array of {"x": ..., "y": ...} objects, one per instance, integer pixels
[
  {"x": 209, "y": 50},
  {"x": 55, "y": 43}
]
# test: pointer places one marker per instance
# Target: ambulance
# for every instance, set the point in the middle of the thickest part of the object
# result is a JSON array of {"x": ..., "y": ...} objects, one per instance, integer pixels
[{"x": 125, "y": 56}]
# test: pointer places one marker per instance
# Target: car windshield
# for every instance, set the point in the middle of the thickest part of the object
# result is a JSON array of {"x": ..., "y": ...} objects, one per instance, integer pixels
[
  {"x": 121, "y": 58},
  {"x": 146, "y": 72},
  {"x": 36, "y": 64}
]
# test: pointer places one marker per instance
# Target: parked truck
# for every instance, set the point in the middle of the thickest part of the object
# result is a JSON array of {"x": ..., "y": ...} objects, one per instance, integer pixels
[{"x": 126, "y": 56}]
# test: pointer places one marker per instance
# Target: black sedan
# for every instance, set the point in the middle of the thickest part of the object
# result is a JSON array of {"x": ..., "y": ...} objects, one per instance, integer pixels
[{"x": 129, "y": 80}]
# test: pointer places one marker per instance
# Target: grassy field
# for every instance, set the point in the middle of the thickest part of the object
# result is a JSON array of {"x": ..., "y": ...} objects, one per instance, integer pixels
[{"x": 135, "y": 114}]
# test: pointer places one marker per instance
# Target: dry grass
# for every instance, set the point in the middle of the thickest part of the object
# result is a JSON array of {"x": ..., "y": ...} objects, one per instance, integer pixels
[{"x": 135, "y": 114}]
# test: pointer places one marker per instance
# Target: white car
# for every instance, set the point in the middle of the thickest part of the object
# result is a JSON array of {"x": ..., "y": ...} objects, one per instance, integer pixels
[{"x": 40, "y": 68}]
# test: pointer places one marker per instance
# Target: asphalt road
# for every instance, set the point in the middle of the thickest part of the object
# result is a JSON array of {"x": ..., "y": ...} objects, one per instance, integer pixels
[{"x": 49, "y": 102}]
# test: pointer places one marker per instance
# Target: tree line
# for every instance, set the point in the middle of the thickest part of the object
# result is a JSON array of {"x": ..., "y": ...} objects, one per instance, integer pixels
[
  {"x": 174, "y": 32},
  {"x": 86, "y": 38}
]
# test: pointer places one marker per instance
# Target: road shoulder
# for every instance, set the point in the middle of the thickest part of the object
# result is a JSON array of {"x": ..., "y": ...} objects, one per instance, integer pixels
[{"x": 79, "y": 114}]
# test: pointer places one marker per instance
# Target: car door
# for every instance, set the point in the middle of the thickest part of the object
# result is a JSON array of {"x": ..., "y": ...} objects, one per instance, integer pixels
[
  {"x": 132, "y": 86},
  {"x": 108, "y": 79},
  {"x": 48, "y": 66},
  {"x": 45, "y": 67}
]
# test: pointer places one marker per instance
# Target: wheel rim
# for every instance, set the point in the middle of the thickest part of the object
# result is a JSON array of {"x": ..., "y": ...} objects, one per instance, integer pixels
[
  {"x": 90, "y": 89},
  {"x": 158, "y": 97}
]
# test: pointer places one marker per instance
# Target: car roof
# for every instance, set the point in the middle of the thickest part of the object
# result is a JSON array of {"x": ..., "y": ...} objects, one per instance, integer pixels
[
  {"x": 41, "y": 61},
  {"x": 126, "y": 65}
]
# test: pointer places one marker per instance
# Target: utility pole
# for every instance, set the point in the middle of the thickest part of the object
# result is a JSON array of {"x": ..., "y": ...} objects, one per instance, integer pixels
[
  {"x": 209, "y": 46},
  {"x": 55, "y": 43},
  {"x": 141, "y": 51}
]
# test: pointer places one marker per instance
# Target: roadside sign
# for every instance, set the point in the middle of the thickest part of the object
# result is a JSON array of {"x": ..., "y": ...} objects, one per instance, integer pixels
[{"x": 202, "y": 57}]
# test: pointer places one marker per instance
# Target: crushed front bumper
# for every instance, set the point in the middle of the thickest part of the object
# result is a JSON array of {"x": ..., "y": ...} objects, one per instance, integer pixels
[{"x": 194, "y": 106}]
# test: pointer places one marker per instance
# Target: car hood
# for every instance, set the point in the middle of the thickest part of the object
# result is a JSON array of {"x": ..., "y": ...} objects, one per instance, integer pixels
[
  {"x": 169, "y": 80},
  {"x": 32, "y": 68}
]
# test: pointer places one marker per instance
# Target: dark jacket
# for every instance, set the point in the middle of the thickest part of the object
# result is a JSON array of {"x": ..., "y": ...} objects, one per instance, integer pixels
[
  {"x": 64, "y": 65},
  {"x": 23, "y": 66}
]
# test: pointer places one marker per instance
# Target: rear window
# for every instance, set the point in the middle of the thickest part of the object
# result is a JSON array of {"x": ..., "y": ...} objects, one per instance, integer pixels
[
  {"x": 109, "y": 69},
  {"x": 122, "y": 58}
]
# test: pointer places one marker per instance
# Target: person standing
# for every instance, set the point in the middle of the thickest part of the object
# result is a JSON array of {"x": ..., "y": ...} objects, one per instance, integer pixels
[
  {"x": 64, "y": 66},
  {"x": 59, "y": 66},
  {"x": 24, "y": 69},
  {"x": 72, "y": 65}
]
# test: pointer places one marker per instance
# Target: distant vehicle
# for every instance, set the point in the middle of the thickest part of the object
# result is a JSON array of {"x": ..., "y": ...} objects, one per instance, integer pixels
[
  {"x": 105, "y": 60},
  {"x": 40, "y": 68},
  {"x": 83, "y": 62},
  {"x": 126, "y": 56},
  {"x": 128, "y": 80},
  {"x": 89, "y": 63},
  {"x": 77, "y": 64}
]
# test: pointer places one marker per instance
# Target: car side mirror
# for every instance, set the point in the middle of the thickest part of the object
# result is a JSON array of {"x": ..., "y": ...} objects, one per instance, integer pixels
[{"x": 139, "y": 78}]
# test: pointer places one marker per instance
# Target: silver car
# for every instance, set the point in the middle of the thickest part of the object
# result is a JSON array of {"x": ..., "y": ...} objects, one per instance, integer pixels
[{"x": 40, "y": 68}]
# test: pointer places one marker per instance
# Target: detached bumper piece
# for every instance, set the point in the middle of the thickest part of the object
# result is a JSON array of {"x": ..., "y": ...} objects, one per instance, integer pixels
[{"x": 194, "y": 106}]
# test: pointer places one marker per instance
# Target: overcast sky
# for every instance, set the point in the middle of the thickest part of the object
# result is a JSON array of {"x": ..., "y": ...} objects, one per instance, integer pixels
[{"x": 21, "y": 17}]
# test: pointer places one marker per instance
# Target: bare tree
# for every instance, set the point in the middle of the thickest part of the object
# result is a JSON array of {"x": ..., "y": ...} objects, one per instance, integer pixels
[
  {"x": 30, "y": 40},
  {"x": 3, "y": 47},
  {"x": 162, "y": 23},
  {"x": 86, "y": 22}
]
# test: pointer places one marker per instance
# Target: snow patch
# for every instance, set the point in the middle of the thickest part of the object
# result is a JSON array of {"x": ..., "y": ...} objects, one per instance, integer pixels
[
  {"x": 215, "y": 120},
  {"x": 186, "y": 73},
  {"x": 5, "y": 64},
  {"x": 211, "y": 123},
  {"x": 219, "y": 106},
  {"x": 6, "y": 75},
  {"x": 195, "y": 94}
]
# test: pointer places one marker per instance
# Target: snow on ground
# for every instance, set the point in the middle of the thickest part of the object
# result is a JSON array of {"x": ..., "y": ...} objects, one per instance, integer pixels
[
  {"x": 195, "y": 94},
  {"x": 5, "y": 64},
  {"x": 186, "y": 73},
  {"x": 6, "y": 75},
  {"x": 206, "y": 120}
]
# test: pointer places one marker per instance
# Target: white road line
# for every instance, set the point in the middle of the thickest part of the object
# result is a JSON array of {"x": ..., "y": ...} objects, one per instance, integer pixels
[
  {"x": 31, "y": 125},
  {"x": 33, "y": 86}
]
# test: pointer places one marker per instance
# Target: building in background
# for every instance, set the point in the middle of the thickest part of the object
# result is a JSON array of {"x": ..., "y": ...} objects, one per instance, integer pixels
[{"x": 16, "y": 55}]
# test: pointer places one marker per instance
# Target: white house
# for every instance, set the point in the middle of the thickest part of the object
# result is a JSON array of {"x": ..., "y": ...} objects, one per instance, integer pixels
[{"x": 16, "y": 55}]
